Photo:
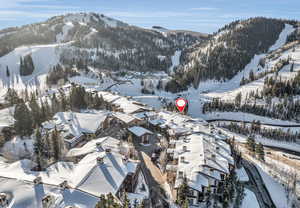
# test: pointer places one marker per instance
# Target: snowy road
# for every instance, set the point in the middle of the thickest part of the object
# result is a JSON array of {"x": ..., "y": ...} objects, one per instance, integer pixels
[{"x": 263, "y": 195}]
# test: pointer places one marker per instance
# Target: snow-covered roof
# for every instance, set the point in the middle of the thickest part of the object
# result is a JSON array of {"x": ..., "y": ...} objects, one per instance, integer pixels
[
  {"x": 145, "y": 114},
  {"x": 95, "y": 145},
  {"x": 201, "y": 156},
  {"x": 87, "y": 175},
  {"x": 78, "y": 123},
  {"x": 139, "y": 131},
  {"x": 29, "y": 195},
  {"x": 125, "y": 117}
]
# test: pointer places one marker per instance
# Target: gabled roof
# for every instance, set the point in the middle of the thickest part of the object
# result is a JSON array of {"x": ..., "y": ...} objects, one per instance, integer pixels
[
  {"x": 139, "y": 131},
  {"x": 78, "y": 123},
  {"x": 125, "y": 117}
]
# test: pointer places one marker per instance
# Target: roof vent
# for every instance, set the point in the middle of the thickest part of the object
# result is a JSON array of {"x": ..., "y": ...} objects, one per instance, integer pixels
[
  {"x": 100, "y": 160},
  {"x": 180, "y": 174},
  {"x": 37, "y": 180},
  {"x": 64, "y": 185},
  {"x": 125, "y": 159}
]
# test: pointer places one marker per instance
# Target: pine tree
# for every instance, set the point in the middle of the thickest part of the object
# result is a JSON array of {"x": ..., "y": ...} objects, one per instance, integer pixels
[
  {"x": 251, "y": 144},
  {"x": 23, "y": 119},
  {"x": 12, "y": 97},
  {"x": 57, "y": 144},
  {"x": 39, "y": 149},
  {"x": 7, "y": 72},
  {"x": 36, "y": 111},
  {"x": 259, "y": 150}
]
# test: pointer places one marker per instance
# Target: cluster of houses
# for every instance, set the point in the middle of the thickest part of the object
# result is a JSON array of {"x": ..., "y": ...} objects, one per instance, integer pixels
[
  {"x": 195, "y": 154},
  {"x": 101, "y": 166}
]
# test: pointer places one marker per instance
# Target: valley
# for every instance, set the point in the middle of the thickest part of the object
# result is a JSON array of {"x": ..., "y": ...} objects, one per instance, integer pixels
[{"x": 93, "y": 120}]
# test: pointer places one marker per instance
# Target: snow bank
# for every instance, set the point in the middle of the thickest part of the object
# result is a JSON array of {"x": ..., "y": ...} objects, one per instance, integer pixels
[{"x": 250, "y": 200}]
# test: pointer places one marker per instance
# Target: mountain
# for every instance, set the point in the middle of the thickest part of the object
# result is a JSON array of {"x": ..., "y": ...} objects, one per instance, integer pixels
[
  {"x": 99, "y": 41},
  {"x": 227, "y": 51}
]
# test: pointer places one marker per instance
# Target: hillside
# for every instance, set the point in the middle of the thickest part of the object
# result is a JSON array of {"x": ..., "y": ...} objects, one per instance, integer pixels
[
  {"x": 227, "y": 52},
  {"x": 100, "y": 41}
]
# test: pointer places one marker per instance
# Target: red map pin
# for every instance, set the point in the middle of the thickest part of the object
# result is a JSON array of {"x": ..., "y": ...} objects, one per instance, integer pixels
[{"x": 181, "y": 104}]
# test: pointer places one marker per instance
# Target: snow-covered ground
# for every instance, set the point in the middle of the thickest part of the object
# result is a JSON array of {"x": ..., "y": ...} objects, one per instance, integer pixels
[
  {"x": 44, "y": 57},
  {"x": 17, "y": 148},
  {"x": 242, "y": 174},
  {"x": 175, "y": 61},
  {"x": 276, "y": 190},
  {"x": 250, "y": 200}
]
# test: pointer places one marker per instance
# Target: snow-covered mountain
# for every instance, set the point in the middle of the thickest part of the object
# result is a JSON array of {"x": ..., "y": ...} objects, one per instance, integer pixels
[
  {"x": 230, "y": 49},
  {"x": 87, "y": 41}
]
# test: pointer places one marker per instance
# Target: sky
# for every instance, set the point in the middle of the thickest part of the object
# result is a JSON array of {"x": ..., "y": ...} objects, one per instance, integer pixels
[{"x": 196, "y": 15}]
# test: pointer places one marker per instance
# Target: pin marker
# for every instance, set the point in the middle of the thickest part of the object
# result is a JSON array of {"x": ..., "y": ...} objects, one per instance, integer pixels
[{"x": 180, "y": 104}]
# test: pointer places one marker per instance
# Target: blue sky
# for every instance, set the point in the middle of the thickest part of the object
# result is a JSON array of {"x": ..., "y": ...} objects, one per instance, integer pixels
[{"x": 198, "y": 15}]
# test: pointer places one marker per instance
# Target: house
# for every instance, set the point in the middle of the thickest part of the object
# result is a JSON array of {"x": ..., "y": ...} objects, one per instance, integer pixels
[
  {"x": 76, "y": 127},
  {"x": 102, "y": 168},
  {"x": 126, "y": 120},
  {"x": 203, "y": 161},
  {"x": 112, "y": 171},
  {"x": 140, "y": 133}
]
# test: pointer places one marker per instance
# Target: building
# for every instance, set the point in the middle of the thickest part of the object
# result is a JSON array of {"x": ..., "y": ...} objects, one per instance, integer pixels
[
  {"x": 203, "y": 161},
  {"x": 76, "y": 127},
  {"x": 141, "y": 134},
  {"x": 126, "y": 120},
  {"x": 102, "y": 168}
]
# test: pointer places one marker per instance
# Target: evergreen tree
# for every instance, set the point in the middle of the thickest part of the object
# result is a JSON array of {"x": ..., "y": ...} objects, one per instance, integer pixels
[
  {"x": 251, "y": 144},
  {"x": 26, "y": 65},
  {"x": 23, "y": 119},
  {"x": 39, "y": 149},
  {"x": 12, "y": 97},
  {"x": 7, "y": 71},
  {"x": 77, "y": 96},
  {"x": 36, "y": 111},
  {"x": 57, "y": 144},
  {"x": 259, "y": 150}
]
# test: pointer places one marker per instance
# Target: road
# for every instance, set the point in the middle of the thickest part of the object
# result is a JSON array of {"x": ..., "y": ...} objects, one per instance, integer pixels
[
  {"x": 258, "y": 186},
  {"x": 262, "y": 123},
  {"x": 152, "y": 174}
]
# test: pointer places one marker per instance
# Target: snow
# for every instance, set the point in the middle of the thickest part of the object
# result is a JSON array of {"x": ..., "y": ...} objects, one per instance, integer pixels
[
  {"x": 28, "y": 195},
  {"x": 275, "y": 189},
  {"x": 288, "y": 29},
  {"x": 44, "y": 57},
  {"x": 77, "y": 123},
  {"x": 61, "y": 37},
  {"x": 240, "y": 116},
  {"x": 250, "y": 200},
  {"x": 125, "y": 117},
  {"x": 175, "y": 61},
  {"x": 6, "y": 117},
  {"x": 87, "y": 175},
  {"x": 242, "y": 174},
  {"x": 139, "y": 131},
  {"x": 17, "y": 148}
]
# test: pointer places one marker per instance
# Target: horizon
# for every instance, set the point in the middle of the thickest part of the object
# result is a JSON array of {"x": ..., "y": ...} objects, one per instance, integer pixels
[{"x": 205, "y": 17}]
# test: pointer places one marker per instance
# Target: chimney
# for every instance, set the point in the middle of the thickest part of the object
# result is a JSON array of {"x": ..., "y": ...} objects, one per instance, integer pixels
[
  {"x": 125, "y": 159},
  {"x": 182, "y": 159},
  {"x": 100, "y": 160},
  {"x": 213, "y": 156},
  {"x": 108, "y": 150},
  {"x": 184, "y": 148},
  {"x": 180, "y": 174},
  {"x": 37, "y": 180}
]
